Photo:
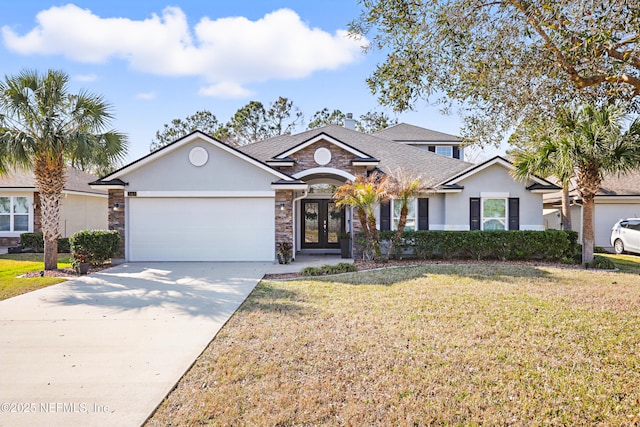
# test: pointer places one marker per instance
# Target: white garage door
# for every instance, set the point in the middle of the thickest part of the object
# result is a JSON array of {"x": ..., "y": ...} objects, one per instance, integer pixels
[{"x": 201, "y": 229}]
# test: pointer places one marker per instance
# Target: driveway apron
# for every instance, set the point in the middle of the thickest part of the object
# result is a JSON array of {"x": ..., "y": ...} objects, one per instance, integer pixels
[{"x": 105, "y": 349}]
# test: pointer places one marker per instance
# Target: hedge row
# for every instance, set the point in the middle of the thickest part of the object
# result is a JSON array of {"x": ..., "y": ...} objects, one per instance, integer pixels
[
  {"x": 35, "y": 241},
  {"x": 94, "y": 246},
  {"x": 501, "y": 245}
]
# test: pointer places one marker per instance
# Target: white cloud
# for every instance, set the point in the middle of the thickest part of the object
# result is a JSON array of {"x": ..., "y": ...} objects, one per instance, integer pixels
[
  {"x": 86, "y": 77},
  {"x": 227, "y": 52},
  {"x": 225, "y": 90},
  {"x": 146, "y": 95}
]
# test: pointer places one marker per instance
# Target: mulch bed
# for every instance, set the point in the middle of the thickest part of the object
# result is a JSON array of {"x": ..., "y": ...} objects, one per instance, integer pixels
[
  {"x": 63, "y": 272},
  {"x": 374, "y": 265}
]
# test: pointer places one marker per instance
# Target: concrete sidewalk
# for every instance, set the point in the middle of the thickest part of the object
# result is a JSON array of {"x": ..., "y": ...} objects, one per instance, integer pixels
[{"x": 104, "y": 349}]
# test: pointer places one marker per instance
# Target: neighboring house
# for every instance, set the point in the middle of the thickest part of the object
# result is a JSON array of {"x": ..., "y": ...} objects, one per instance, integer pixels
[
  {"x": 618, "y": 198},
  {"x": 199, "y": 199},
  {"x": 81, "y": 207},
  {"x": 436, "y": 142}
]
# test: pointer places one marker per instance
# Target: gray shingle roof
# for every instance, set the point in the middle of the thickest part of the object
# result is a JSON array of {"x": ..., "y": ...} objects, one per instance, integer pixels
[
  {"x": 621, "y": 185},
  {"x": 411, "y": 133},
  {"x": 432, "y": 167},
  {"x": 76, "y": 180}
]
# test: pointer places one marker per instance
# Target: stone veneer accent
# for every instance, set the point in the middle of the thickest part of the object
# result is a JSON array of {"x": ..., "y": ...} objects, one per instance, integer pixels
[
  {"x": 304, "y": 159},
  {"x": 37, "y": 213},
  {"x": 284, "y": 218},
  {"x": 9, "y": 241},
  {"x": 340, "y": 159},
  {"x": 117, "y": 217}
]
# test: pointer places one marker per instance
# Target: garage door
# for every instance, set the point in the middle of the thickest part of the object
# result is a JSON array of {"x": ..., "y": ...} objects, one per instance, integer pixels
[{"x": 201, "y": 229}]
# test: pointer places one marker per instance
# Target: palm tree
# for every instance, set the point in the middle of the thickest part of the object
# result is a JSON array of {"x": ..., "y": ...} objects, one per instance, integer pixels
[
  {"x": 585, "y": 143},
  {"x": 364, "y": 194},
  {"x": 402, "y": 186},
  {"x": 44, "y": 128},
  {"x": 547, "y": 154},
  {"x": 598, "y": 147}
]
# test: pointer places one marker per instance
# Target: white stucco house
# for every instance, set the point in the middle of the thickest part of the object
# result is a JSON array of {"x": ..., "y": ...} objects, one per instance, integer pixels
[
  {"x": 81, "y": 207},
  {"x": 199, "y": 199},
  {"x": 618, "y": 198}
]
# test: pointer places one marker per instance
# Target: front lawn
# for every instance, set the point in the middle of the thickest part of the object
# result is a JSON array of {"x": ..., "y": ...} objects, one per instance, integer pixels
[
  {"x": 436, "y": 344},
  {"x": 13, "y": 265}
]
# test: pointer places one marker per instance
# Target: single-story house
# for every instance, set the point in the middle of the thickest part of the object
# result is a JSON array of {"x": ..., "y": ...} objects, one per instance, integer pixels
[
  {"x": 81, "y": 206},
  {"x": 618, "y": 198},
  {"x": 199, "y": 199}
]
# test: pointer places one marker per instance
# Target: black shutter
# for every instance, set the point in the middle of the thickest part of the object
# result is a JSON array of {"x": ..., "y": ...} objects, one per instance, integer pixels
[
  {"x": 423, "y": 214},
  {"x": 432, "y": 148},
  {"x": 385, "y": 215},
  {"x": 474, "y": 213},
  {"x": 514, "y": 213},
  {"x": 456, "y": 152}
]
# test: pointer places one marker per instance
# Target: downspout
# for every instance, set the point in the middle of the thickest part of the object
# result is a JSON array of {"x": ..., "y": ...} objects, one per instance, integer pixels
[{"x": 305, "y": 193}]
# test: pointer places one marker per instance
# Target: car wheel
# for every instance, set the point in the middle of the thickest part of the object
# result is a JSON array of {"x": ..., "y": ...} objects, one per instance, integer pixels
[{"x": 618, "y": 246}]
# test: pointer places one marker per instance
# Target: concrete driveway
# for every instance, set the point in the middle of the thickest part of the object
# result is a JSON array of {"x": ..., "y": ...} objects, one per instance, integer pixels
[{"x": 104, "y": 349}]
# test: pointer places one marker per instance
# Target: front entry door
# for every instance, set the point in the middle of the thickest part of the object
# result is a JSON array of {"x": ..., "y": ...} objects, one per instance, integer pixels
[{"x": 322, "y": 223}]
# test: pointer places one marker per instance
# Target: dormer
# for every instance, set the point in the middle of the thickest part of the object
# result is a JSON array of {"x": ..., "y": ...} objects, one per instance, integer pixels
[{"x": 426, "y": 139}]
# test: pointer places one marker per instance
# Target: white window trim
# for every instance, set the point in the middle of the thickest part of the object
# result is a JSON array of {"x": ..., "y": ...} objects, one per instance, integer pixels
[
  {"x": 415, "y": 211},
  {"x": 449, "y": 153},
  {"x": 12, "y": 232},
  {"x": 506, "y": 211}
]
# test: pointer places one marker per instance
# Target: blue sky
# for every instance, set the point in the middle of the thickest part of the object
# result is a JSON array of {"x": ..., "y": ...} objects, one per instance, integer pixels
[{"x": 160, "y": 60}]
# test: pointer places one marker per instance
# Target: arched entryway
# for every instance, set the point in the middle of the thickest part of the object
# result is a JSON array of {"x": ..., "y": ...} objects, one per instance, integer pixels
[{"x": 319, "y": 222}]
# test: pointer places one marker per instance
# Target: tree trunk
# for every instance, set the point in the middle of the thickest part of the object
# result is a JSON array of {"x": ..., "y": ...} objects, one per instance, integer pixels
[
  {"x": 402, "y": 221},
  {"x": 588, "y": 239},
  {"x": 565, "y": 215},
  {"x": 375, "y": 237},
  {"x": 588, "y": 181},
  {"x": 50, "y": 175},
  {"x": 362, "y": 216}
]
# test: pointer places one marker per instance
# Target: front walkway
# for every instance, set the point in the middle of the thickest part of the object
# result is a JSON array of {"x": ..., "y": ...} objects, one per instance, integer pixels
[
  {"x": 305, "y": 260},
  {"x": 104, "y": 349}
]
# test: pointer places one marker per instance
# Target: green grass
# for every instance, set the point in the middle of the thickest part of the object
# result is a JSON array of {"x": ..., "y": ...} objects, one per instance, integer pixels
[
  {"x": 626, "y": 263},
  {"x": 430, "y": 345},
  {"x": 12, "y": 265}
]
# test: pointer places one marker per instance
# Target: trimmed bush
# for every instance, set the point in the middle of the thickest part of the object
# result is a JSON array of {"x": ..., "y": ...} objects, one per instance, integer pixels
[
  {"x": 479, "y": 245},
  {"x": 343, "y": 267},
  {"x": 35, "y": 241},
  {"x": 96, "y": 246},
  {"x": 601, "y": 262}
]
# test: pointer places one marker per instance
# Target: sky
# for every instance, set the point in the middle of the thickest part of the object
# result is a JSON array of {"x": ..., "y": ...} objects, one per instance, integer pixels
[{"x": 156, "y": 60}]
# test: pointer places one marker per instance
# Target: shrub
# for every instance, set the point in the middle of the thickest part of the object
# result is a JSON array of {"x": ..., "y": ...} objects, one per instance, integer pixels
[
  {"x": 601, "y": 262},
  {"x": 95, "y": 246},
  {"x": 343, "y": 267},
  {"x": 35, "y": 241},
  {"x": 502, "y": 245}
]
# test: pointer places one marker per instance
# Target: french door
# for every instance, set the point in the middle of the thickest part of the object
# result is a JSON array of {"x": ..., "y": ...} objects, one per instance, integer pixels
[{"x": 322, "y": 222}]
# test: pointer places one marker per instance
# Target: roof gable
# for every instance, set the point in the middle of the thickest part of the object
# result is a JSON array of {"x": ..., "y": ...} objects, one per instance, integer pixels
[
  {"x": 176, "y": 145},
  {"x": 539, "y": 183},
  {"x": 323, "y": 137}
]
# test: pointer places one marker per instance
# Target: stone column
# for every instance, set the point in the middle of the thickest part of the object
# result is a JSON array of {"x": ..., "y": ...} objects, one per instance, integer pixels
[
  {"x": 284, "y": 218},
  {"x": 117, "y": 217}
]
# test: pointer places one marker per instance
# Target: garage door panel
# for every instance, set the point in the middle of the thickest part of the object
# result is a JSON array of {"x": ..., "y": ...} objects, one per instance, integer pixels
[{"x": 201, "y": 229}]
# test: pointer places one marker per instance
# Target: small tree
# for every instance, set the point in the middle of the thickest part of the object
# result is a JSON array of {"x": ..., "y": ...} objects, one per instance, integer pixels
[
  {"x": 402, "y": 186},
  {"x": 364, "y": 194},
  {"x": 44, "y": 128}
]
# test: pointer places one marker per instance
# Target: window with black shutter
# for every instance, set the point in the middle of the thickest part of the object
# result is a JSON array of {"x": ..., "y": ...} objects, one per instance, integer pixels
[
  {"x": 423, "y": 214},
  {"x": 385, "y": 215},
  {"x": 514, "y": 213},
  {"x": 474, "y": 213}
]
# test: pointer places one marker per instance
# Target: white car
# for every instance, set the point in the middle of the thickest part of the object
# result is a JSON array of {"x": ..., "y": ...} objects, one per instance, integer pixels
[{"x": 625, "y": 236}]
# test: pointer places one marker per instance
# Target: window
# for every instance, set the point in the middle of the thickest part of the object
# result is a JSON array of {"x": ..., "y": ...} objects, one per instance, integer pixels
[
  {"x": 444, "y": 150},
  {"x": 411, "y": 214},
  {"x": 14, "y": 214},
  {"x": 494, "y": 214}
]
